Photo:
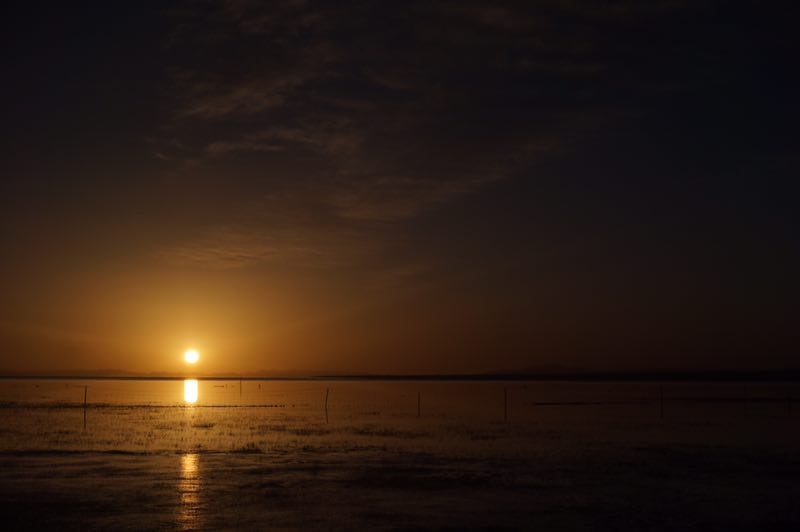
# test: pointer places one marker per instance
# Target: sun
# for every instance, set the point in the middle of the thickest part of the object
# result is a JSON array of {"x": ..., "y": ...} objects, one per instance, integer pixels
[{"x": 191, "y": 356}]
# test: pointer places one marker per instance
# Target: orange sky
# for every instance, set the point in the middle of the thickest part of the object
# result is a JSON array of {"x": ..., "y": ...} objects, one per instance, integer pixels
[{"x": 437, "y": 187}]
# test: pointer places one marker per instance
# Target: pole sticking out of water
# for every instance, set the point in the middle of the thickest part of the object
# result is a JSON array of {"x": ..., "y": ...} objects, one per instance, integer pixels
[
  {"x": 240, "y": 388},
  {"x": 788, "y": 402},
  {"x": 661, "y": 397},
  {"x": 744, "y": 398},
  {"x": 505, "y": 404},
  {"x": 85, "y": 390},
  {"x": 419, "y": 400},
  {"x": 327, "y": 391}
]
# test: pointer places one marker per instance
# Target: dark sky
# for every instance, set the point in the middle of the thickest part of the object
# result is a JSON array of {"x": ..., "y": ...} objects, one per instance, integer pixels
[{"x": 412, "y": 186}]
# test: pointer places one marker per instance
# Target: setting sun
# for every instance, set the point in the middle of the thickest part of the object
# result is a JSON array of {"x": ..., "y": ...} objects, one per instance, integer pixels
[{"x": 191, "y": 356}]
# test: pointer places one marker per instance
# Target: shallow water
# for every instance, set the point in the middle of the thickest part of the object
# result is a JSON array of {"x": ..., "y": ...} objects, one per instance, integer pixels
[{"x": 388, "y": 455}]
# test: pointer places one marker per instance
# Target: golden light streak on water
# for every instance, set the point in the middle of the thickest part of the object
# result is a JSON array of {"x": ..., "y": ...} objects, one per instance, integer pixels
[
  {"x": 190, "y": 393},
  {"x": 189, "y": 485}
]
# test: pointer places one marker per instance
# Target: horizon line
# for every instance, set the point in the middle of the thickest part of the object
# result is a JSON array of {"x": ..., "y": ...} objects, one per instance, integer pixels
[{"x": 653, "y": 375}]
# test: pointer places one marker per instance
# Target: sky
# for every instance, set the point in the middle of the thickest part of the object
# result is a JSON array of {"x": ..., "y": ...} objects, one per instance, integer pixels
[{"x": 412, "y": 187}]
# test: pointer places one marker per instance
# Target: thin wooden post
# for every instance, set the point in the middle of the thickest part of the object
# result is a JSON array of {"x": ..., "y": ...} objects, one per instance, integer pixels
[
  {"x": 85, "y": 391},
  {"x": 505, "y": 404},
  {"x": 789, "y": 402},
  {"x": 240, "y": 388},
  {"x": 661, "y": 397},
  {"x": 419, "y": 400},
  {"x": 327, "y": 392},
  {"x": 744, "y": 398}
]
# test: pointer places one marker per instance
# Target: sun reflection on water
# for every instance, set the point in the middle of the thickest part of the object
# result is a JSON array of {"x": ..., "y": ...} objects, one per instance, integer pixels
[
  {"x": 190, "y": 391},
  {"x": 189, "y": 485}
]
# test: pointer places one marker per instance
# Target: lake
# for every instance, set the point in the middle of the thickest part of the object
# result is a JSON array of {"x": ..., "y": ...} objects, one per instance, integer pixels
[{"x": 254, "y": 454}]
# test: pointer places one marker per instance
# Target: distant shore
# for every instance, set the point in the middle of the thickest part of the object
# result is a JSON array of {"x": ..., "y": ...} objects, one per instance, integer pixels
[{"x": 681, "y": 376}]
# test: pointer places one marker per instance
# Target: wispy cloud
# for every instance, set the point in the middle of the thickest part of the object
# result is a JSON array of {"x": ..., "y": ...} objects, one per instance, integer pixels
[
  {"x": 224, "y": 147},
  {"x": 245, "y": 244},
  {"x": 354, "y": 136},
  {"x": 219, "y": 100},
  {"x": 334, "y": 138},
  {"x": 388, "y": 198}
]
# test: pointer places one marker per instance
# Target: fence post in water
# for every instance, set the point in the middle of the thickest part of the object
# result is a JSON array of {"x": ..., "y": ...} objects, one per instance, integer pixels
[
  {"x": 789, "y": 402},
  {"x": 419, "y": 399},
  {"x": 744, "y": 398},
  {"x": 85, "y": 390},
  {"x": 240, "y": 388},
  {"x": 661, "y": 396},
  {"x": 505, "y": 403},
  {"x": 327, "y": 391}
]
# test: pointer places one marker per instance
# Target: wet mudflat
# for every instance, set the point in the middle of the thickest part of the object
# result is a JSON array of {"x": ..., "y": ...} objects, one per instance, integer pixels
[
  {"x": 651, "y": 488},
  {"x": 604, "y": 464}
]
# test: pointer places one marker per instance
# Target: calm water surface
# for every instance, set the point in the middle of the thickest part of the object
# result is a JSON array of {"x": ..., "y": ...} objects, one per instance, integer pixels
[{"x": 387, "y": 455}]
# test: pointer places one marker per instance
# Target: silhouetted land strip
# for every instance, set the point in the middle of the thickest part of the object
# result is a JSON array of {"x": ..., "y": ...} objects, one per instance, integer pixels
[
  {"x": 637, "y": 376},
  {"x": 687, "y": 376}
]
